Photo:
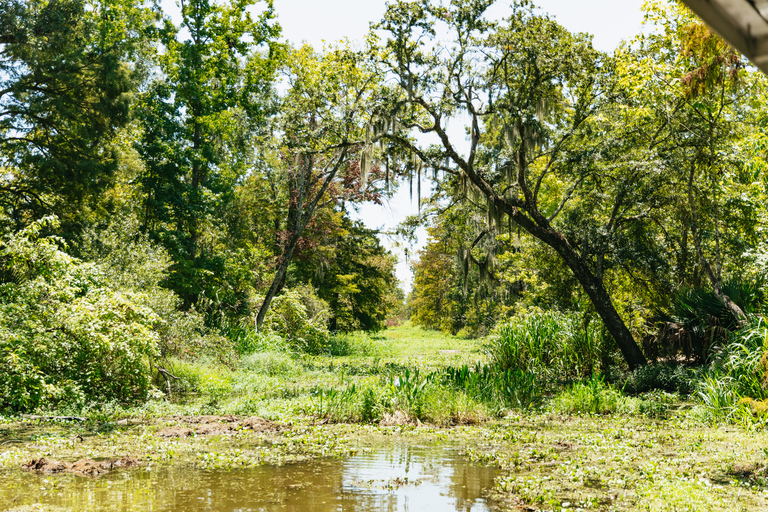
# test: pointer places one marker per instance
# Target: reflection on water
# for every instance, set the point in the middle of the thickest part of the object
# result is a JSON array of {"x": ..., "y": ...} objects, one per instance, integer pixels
[{"x": 399, "y": 478}]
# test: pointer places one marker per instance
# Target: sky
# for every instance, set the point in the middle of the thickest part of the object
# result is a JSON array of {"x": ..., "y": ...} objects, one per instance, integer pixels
[{"x": 319, "y": 21}]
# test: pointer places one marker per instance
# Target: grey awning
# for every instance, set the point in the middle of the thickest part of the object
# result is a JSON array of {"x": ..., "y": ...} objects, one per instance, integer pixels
[{"x": 743, "y": 23}]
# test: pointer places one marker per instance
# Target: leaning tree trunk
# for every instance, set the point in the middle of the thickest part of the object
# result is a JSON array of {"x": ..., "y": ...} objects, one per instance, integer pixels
[
  {"x": 279, "y": 280},
  {"x": 300, "y": 213},
  {"x": 526, "y": 214},
  {"x": 591, "y": 284}
]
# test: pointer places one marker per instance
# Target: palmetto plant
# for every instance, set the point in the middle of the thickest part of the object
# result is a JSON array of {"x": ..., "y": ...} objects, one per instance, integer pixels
[{"x": 697, "y": 321}]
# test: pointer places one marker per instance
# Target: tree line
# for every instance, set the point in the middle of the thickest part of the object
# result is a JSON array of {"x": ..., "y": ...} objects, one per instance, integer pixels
[{"x": 207, "y": 166}]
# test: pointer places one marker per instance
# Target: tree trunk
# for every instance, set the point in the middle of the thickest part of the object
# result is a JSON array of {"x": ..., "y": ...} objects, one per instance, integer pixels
[
  {"x": 299, "y": 214},
  {"x": 279, "y": 280},
  {"x": 538, "y": 226},
  {"x": 591, "y": 284}
]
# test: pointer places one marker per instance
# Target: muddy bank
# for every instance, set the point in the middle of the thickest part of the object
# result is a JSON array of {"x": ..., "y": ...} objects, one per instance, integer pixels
[
  {"x": 212, "y": 425},
  {"x": 85, "y": 466}
]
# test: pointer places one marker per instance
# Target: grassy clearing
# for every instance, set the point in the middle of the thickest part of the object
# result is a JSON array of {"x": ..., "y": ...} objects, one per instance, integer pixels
[{"x": 365, "y": 378}]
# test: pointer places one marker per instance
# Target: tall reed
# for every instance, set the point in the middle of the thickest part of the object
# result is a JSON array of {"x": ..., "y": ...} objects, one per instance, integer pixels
[{"x": 550, "y": 344}]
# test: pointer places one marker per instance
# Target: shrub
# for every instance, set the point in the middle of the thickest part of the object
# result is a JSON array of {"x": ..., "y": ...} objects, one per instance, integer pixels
[
  {"x": 698, "y": 323},
  {"x": 301, "y": 318},
  {"x": 660, "y": 376},
  {"x": 269, "y": 363},
  {"x": 66, "y": 335},
  {"x": 130, "y": 261},
  {"x": 737, "y": 370},
  {"x": 202, "y": 376}
]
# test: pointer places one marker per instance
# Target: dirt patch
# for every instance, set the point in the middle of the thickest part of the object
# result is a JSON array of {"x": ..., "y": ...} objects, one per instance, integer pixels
[
  {"x": 749, "y": 470},
  {"x": 212, "y": 428},
  {"x": 261, "y": 425},
  {"x": 175, "y": 432},
  {"x": 211, "y": 425},
  {"x": 125, "y": 462},
  {"x": 89, "y": 467},
  {"x": 194, "y": 420},
  {"x": 86, "y": 466}
]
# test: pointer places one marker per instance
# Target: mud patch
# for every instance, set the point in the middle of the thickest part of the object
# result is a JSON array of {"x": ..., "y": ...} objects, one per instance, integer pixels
[
  {"x": 746, "y": 471},
  {"x": 175, "y": 432},
  {"x": 261, "y": 425},
  {"x": 396, "y": 419},
  {"x": 44, "y": 465},
  {"x": 212, "y": 425},
  {"x": 86, "y": 466},
  {"x": 212, "y": 428},
  {"x": 194, "y": 420}
]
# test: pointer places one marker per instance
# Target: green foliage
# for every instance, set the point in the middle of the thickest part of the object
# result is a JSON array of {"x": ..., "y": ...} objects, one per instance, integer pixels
[
  {"x": 269, "y": 363},
  {"x": 67, "y": 335},
  {"x": 332, "y": 403},
  {"x": 514, "y": 389},
  {"x": 737, "y": 370},
  {"x": 659, "y": 376},
  {"x": 698, "y": 322},
  {"x": 592, "y": 396},
  {"x": 457, "y": 285},
  {"x": 407, "y": 391},
  {"x": 130, "y": 260},
  {"x": 203, "y": 376},
  {"x": 549, "y": 344},
  {"x": 65, "y": 89},
  {"x": 199, "y": 118},
  {"x": 354, "y": 274},
  {"x": 301, "y": 319}
]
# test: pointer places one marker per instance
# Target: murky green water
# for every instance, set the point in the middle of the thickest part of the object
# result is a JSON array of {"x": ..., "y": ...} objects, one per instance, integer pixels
[{"x": 400, "y": 478}]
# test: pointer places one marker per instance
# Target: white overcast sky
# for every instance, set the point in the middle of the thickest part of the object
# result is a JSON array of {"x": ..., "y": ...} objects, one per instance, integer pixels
[{"x": 315, "y": 21}]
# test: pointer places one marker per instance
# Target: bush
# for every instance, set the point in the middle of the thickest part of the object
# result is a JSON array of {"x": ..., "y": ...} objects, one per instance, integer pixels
[
  {"x": 202, "y": 376},
  {"x": 698, "y": 323},
  {"x": 269, "y": 363},
  {"x": 130, "y": 261},
  {"x": 661, "y": 376},
  {"x": 66, "y": 335},
  {"x": 739, "y": 369},
  {"x": 301, "y": 319}
]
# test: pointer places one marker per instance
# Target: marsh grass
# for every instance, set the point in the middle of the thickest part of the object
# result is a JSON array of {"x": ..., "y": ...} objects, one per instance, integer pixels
[
  {"x": 503, "y": 389},
  {"x": 550, "y": 344},
  {"x": 591, "y": 396},
  {"x": 735, "y": 370}
]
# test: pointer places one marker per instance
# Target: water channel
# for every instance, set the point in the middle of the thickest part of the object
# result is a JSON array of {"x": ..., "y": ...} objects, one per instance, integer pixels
[{"x": 398, "y": 478}]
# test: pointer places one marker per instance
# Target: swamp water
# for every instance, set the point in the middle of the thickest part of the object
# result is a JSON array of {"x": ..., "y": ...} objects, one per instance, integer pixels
[{"x": 397, "y": 478}]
